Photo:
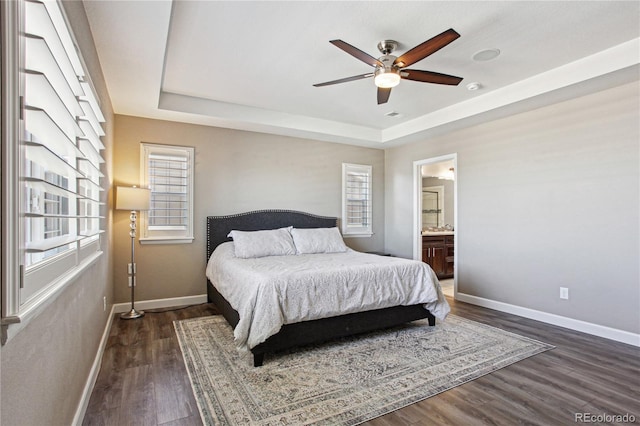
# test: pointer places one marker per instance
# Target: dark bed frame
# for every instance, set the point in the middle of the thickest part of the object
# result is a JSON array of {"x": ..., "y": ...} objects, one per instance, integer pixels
[{"x": 307, "y": 332}]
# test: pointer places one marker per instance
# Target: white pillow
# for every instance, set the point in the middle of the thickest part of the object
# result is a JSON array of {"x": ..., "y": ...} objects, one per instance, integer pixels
[
  {"x": 272, "y": 242},
  {"x": 318, "y": 240}
]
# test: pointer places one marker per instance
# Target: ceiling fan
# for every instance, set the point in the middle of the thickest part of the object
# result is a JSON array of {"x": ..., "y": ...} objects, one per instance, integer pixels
[{"x": 389, "y": 69}]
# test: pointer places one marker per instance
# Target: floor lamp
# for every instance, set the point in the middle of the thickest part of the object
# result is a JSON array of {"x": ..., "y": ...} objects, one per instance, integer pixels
[{"x": 133, "y": 199}]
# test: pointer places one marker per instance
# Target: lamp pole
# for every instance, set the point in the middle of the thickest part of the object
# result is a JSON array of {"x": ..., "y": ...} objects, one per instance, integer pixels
[
  {"x": 133, "y": 199},
  {"x": 132, "y": 314}
]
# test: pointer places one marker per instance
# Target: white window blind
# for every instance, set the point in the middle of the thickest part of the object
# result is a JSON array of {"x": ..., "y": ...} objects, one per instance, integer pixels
[
  {"x": 356, "y": 200},
  {"x": 59, "y": 153},
  {"x": 168, "y": 172}
]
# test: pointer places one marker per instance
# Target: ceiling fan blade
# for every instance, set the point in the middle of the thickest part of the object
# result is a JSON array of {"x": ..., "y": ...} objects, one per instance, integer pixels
[
  {"x": 430, "y": 77},
  {"x": 425, "y": 49},
  {"x": 383, "y": 95},
  {"x": 344, "y": 80},
  {"x": 356, "y": 53}
]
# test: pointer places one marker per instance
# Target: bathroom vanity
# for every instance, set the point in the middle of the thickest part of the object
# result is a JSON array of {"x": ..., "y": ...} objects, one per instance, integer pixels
[{"x": 437, "y": 251}]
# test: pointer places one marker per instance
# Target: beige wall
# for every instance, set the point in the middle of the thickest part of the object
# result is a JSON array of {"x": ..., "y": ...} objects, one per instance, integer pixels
[
  {"x": 45, "y": 367},
  {"x": 235, "y": 171},
  {"x": 546, "y": 199}
]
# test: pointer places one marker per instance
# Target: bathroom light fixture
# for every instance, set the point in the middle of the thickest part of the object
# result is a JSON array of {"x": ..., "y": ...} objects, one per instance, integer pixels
[
  {"x": 448, "y": 175},
  {"x": 386, "y": 78}
]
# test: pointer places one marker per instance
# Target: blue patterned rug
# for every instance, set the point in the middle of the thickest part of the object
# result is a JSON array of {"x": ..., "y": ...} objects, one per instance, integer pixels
[{"x": 344, "y": 382}]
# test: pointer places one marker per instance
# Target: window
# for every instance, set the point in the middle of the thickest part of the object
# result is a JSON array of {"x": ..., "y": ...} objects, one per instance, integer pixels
[
  {"x": 52, "y": 190},
  {"x": 168, "y": 171},
  {"x": 356, "y": 200}
]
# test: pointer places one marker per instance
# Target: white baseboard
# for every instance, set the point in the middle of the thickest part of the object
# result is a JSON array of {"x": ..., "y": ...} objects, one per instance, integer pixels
[
  {"x": 93, "y": 374},
  {"x": 570, "y": 323},
  {"x": 161, "y": 303},
  {"x": 97, "y": 362}
]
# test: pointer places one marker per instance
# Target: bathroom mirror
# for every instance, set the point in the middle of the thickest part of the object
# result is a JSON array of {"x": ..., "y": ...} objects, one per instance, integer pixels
[{"x": 432, "y": 207}]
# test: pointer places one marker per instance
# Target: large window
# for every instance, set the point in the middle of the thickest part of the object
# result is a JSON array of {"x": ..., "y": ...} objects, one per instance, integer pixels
[
  {"x": 52, "y": 193},
  {"x": 168, "y": 171},
  {"x": 356, "y": 200}
]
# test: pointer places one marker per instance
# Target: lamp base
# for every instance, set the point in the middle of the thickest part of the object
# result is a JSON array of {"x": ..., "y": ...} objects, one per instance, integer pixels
[{"x": 132, "y": 314}]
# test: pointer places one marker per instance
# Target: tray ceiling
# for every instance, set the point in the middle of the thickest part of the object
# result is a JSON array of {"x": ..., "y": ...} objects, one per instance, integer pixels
[{"x": 251, "y": 65}]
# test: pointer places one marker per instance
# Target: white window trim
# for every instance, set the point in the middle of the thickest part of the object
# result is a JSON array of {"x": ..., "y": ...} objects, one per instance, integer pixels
[
  {"x": 359, "y": 231},
  {"x": 10, "y": 110},
  {"x": 15, "y": 312},
  {"x": 168, "y": 236}
]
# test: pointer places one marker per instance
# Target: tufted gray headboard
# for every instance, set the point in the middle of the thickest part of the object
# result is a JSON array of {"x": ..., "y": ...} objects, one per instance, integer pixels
[{"x": 218, "y": 227}]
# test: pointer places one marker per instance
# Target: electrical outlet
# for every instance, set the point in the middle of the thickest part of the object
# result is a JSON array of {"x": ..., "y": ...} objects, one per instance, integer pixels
[
  {"x": 104, "y": 303},
  {"x": 564, "y": 293}
]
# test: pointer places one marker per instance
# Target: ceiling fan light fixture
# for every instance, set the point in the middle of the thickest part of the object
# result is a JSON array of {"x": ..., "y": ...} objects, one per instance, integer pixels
[
  {"x": 389, "y": 69},
  {"x": 386, "y": 79}
]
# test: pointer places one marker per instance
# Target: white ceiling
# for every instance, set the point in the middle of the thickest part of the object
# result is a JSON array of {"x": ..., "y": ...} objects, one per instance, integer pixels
[{"x": 251, "y": 64}]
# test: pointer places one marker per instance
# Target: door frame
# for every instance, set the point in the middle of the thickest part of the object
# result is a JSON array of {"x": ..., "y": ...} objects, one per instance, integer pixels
[{"x": 417, "y": 208}]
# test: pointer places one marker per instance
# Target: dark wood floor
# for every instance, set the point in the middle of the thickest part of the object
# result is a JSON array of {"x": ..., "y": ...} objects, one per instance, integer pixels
[{"x": 143, "y": 380}]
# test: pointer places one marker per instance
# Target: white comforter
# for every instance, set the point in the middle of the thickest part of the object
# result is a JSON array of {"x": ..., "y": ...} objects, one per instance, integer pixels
[{"x": 271, "y": 291}]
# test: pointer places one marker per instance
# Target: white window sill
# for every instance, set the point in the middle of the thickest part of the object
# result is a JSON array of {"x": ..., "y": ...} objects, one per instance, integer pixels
[
  {"x": 29, "y": 311},
  {"x": 364, "y": 235},
  {"x": 165, "y": 240}
]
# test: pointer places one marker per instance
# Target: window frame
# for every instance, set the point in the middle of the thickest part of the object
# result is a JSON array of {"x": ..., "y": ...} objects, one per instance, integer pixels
[
  {"x": 365, "y": 229},
  {"x": 26, "y": 291},
  {"x": 168, "y": 235}
]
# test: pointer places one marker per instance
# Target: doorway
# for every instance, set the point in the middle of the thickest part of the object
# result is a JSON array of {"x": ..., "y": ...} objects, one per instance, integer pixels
[{"x": 435, "y": 217}]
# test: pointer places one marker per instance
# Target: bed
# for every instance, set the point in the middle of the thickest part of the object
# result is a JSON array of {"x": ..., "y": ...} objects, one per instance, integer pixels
[{"x": 306, "y": 331}]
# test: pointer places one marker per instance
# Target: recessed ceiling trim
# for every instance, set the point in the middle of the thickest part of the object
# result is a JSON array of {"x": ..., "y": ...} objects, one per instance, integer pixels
[
  {"x": 614, "y": 59},
  {"x": 236, "y": 116}
]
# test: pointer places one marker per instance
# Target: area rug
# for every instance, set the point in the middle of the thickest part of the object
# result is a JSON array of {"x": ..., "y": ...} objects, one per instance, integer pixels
[{"x": 345, "y": 382}]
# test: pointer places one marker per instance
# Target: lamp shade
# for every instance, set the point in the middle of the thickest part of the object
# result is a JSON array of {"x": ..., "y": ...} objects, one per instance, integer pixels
[{"x": 132, "y": 198}]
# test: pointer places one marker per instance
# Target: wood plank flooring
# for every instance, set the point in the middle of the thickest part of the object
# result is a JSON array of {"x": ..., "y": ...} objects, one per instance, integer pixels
[{"x": 143, "y": 380}]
